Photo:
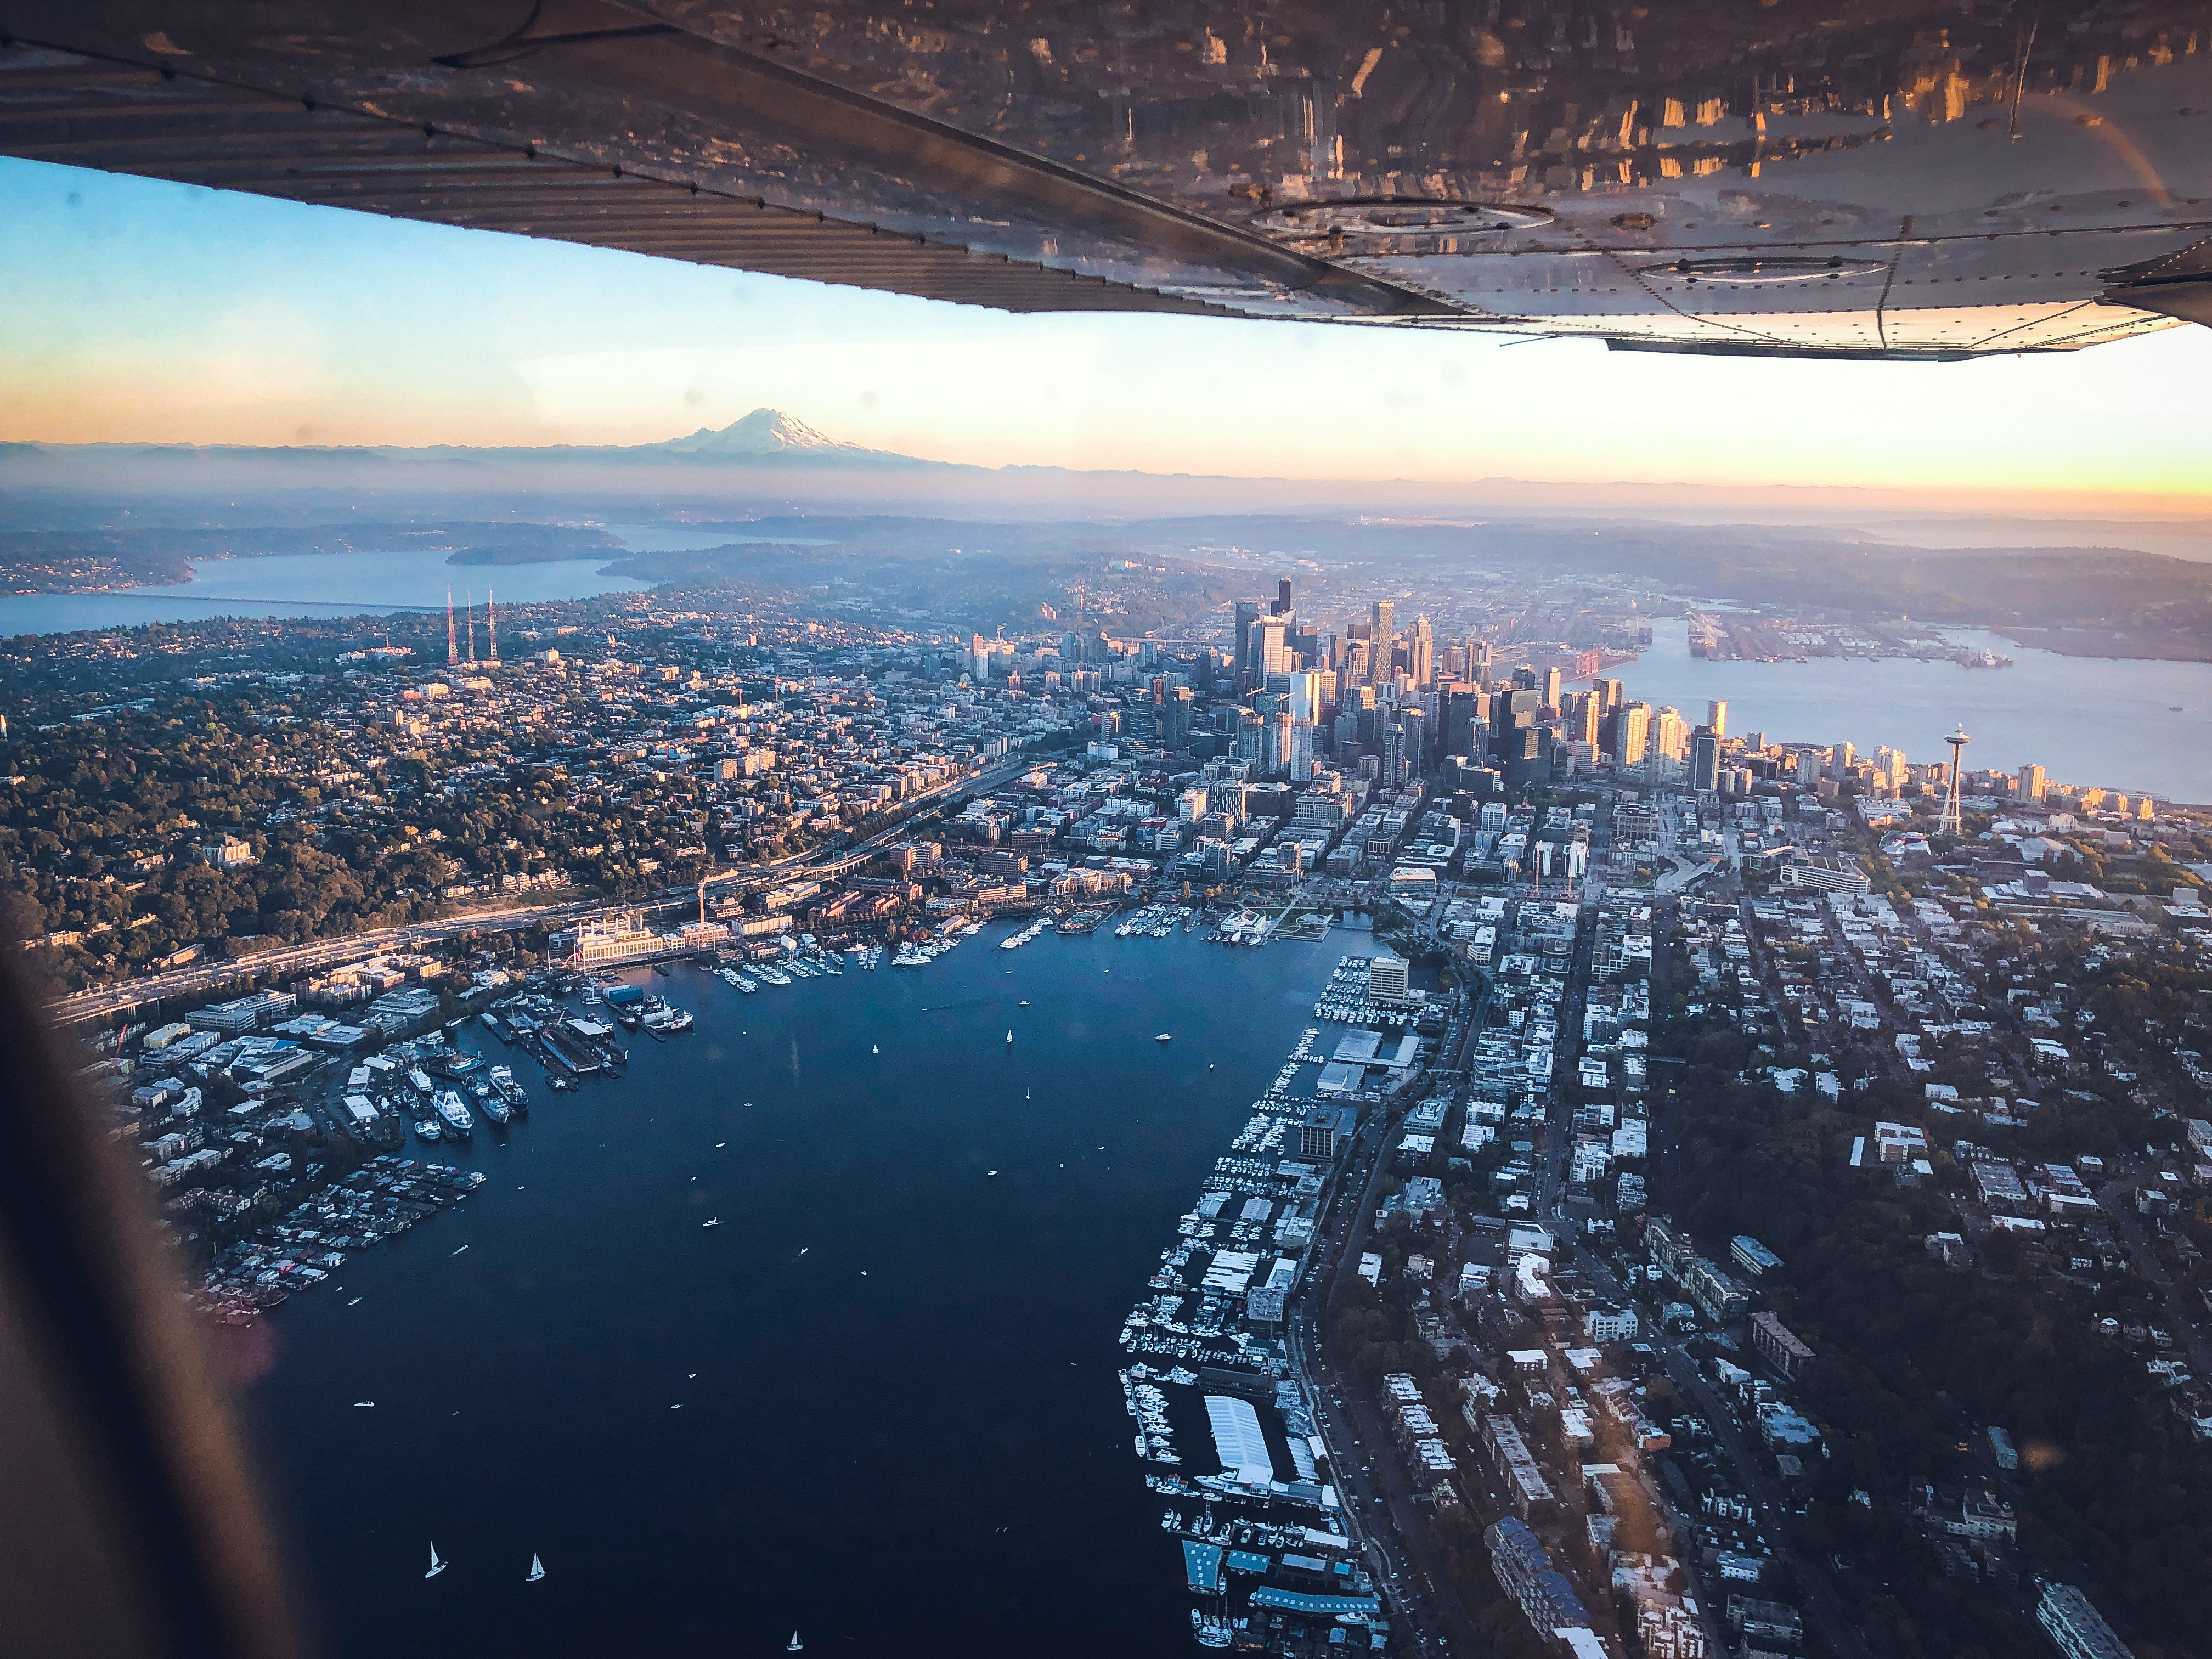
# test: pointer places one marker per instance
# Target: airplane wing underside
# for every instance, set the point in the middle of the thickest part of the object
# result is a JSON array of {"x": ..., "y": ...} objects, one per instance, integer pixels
[{"x": 1906, "y": 180}]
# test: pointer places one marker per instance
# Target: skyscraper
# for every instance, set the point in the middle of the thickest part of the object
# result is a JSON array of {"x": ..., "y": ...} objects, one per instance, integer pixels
[
  {"x": 1705, "y": 759},
  {"x": 1283, "y": 597},
  {"x": 1716, "y": 717},
  {"x": 1632, "y": 733},
  {"x": 1248, "y": 613},
  {"x": 1247, "y": 738},
  {"x": 1415, "y": 724},
  {"x": 1421, "y": 653},
  {"x": 1179, "y": 704},
  {"x": 1582, "y": 717},
  {"x": 1464, "y": 708},
  {"x": 1302, "y": 751},
  {"x": 1382, "y": 632},
  {"x": 1551, "y": 688},
  {"x": 1305, "y": 696},
  {"x": 2031, "y": 784},
  {"x": 1275, "y": 745}
]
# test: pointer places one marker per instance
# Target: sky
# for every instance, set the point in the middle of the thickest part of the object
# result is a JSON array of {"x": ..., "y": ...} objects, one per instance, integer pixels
[{"x": 132, "y": 310}]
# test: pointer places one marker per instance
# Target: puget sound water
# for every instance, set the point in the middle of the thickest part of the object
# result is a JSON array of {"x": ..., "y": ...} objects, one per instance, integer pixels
[
  {"x": 2116, "y": 723},
  {"x": 876, "y": 1404}
]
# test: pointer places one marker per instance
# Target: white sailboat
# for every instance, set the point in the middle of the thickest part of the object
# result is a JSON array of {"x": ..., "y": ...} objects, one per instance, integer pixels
[
  {"x": 714, "y": 1222},
  {"x": 537, "y": 1570},
  {"x": 436, "y": 1565},
  {"x": 794, "y": 1644}
]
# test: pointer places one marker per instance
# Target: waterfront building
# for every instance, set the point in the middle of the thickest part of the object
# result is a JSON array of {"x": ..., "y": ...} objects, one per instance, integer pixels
[
  {"x": 1387, "y": 980},
  {"x": 621, "y": 937}
]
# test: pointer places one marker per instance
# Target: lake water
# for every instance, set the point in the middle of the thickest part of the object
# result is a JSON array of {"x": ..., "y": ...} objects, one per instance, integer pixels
[
  {"x": 2097, "y": 721},
  {"x": 310, "y": 585},
  {"x": 908, "y": 1437},
  {"x": 348, "y": 584}
]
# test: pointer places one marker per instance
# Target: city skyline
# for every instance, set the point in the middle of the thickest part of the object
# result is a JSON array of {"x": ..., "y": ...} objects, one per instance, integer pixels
[{"x": 144, "y": 311}]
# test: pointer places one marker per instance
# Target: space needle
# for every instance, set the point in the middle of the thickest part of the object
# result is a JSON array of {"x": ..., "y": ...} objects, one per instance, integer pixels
[{"x": 1951, "y": 823}]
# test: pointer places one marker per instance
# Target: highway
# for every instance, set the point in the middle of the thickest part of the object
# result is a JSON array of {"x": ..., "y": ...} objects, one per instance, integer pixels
[{"x": 199, "y": 978}]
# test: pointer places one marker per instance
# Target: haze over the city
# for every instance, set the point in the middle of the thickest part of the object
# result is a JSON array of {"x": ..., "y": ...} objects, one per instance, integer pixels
[{"x": 137, "y": 311}]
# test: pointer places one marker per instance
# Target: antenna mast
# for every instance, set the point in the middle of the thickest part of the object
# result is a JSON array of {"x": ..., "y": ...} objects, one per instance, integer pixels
[
  {"x": 471, "y": 602},
  {"x": 491, "y": 629},
  {"x": 453, "y": 650}
]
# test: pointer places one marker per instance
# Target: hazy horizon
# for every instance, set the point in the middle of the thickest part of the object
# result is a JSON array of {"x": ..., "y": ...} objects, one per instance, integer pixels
[{"x": 139, "y": 311}]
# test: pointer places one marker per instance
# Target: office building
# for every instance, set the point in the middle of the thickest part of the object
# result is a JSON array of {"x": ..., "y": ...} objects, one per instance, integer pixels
[
  {"x": 1421, "y": 653},
  {"x": 1382, "y": 634},
  {"x": 1325, "y": 1128},
  {"x": 1387, "y": 980},
  {"x": 1248, "y": 618},
  {"x": 1705, "y": 759},
  {"x": 1716, "y": 716},
  {"x": 1302, "y": 751},
  {"x": 1551, "y": 688}
]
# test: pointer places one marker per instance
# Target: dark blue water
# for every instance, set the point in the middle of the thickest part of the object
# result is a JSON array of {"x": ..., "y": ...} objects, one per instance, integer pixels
[{"x": 906, "y": 1438}]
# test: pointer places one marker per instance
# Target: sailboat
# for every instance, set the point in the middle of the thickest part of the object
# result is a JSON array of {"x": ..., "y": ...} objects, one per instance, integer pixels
[
  {"x": 1010, "y": 1039},
  {"x": 436, "y": 1565},
  {"x": 794, "y": 1644},
  {"x": 537, "y": 1570},
  {"x": 715, "y": 1221},
  {"x": 874, "y": 1049}
]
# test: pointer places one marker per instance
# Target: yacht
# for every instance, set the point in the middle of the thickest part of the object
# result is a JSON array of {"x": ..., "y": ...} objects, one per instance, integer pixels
[
  {"x": 454, "y": 1114},
  {"x": 427, "y": 1129}
]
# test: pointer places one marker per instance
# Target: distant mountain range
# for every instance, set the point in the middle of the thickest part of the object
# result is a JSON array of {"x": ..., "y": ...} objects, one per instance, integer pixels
[{"x": 765, "y": 437}]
